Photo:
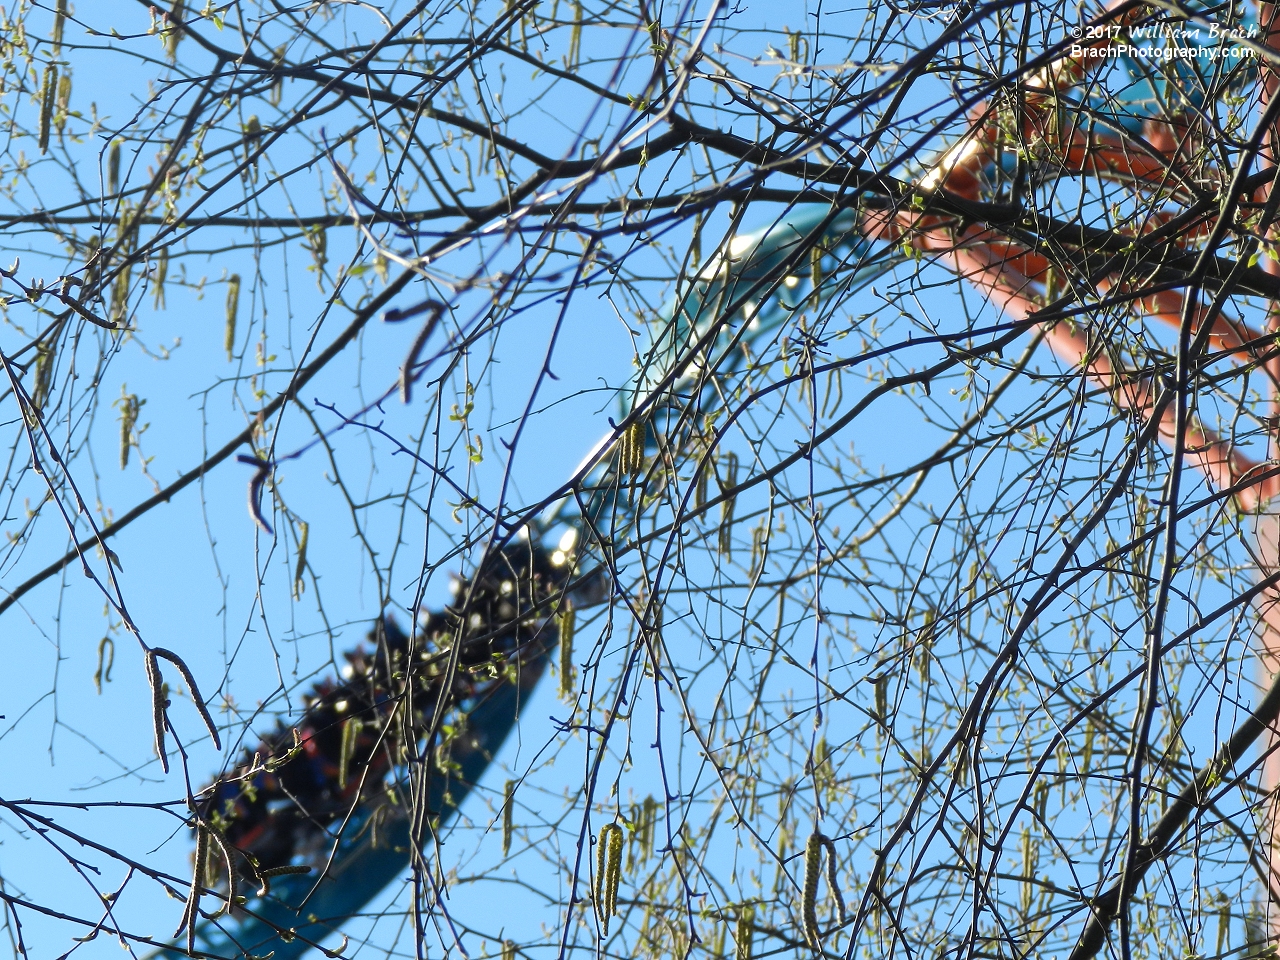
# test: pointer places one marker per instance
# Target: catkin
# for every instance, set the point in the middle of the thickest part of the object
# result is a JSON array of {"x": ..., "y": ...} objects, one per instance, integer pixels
[
  {"x": 759, "y": 543},
  {"x": 120, "y": 289},
  {"x": 833, "y": 879},
  {"x": 608, "y": 873},
  {"x": 197, "y": 886},
  {"x": 411, "y": 361},
  {"x": 92, "y": 267},
  {"x": 1028, "y": 871},
  {"x": 815, "y": 272},
  {"x": 252, "y": 134},
  {"x": 823, "y": 770},
  {"x": 203, "y": 856},
  {"x": 602, "y": 858},
  {"x": 173, "y": 32},
  {"x": 614, "y": 868},
  {"x": 158, "y": 705},
  {"x": 318, "y": 240},
  {"x": 508, "y": 815},
  {"x": 162, "y": 272},
  {"x": 106, "y": 660},
  {"x": 59, "y": 21},
  {"x": 277, "y": 88},
  {"x": 264, "y": 876},
  {"x": 809, "y": 903},
  {"x": 229, "y": 863},
  {"x": 650, "y": 819},
  {"x": 284, "y": 871},
  {"x": 726, "y": 507},
  {"x": 45, "y": 355},
  {"x": 567, "y": 618},
  {"x": 48, "y": 94},
  {"x": 129, "y": 408},
  {"x": 350, "y": 734},
  {"x": 882, "y": 698},
  {"x": 113, "y": 168},
  {"x": 924, "y": 644},
  {"x": 198, "y": 700},
  {"x": 575, "y": 38},
  {"x": 233, "y": 310},
  {"x": 63, "y": 105},
  {"x": 631, "y": 447},
  {"x": 643, "y": 818},
  {"x": 742, "y": 933},
  {"x": 508, "y": 950},
  {"x": 299, "y": 585}
]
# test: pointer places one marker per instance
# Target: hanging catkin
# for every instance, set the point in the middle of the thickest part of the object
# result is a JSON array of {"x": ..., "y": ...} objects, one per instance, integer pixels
[
  {"x": 252, "y": 134},
  {"x": 120, "y": 293},
  {"x": 881, "y": 684},
  {"x": 113, "y": 168},
  {"x": 106, "y": 660},
  {"x": 643, "y": 817},
  {"x": 614, "y": 867},
  {"x": 602, "y": 858},
  {"x": 815, "y": 273},
  {"x": 130, "y": 406},
  {"x": 508, "y": 806},
  {"x": 233, "y": 310},
  {"x": 809, "y": 902},
  {"x": 197, "y": 886},
  {"x": 172, "y": 33},
  {"x": 62, "y": 105},
  {"x": 631, "y": 449},
  {"x": 729, "y": 481},
  {"x": 742, "y": 932},
  {"x": 45, "y": 356},
  {"x": 158, "y": 704},
  {"x": 575, "y": 38},
  {"x": 162, "y": 273},
  {"x": 350, "y": 738},
  {"x": 567, "y": 618},
  {"x": 833, "y": 879},
  {"x": 59, "y": 21},
  {"x": 48, "y": 95},
  {"x": 304, "y": 534},
  {"x": 608, "y": 873}
]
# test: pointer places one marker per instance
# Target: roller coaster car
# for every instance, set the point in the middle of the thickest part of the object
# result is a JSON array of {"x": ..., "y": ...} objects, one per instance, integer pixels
[{"x": 315, "y": 794}]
